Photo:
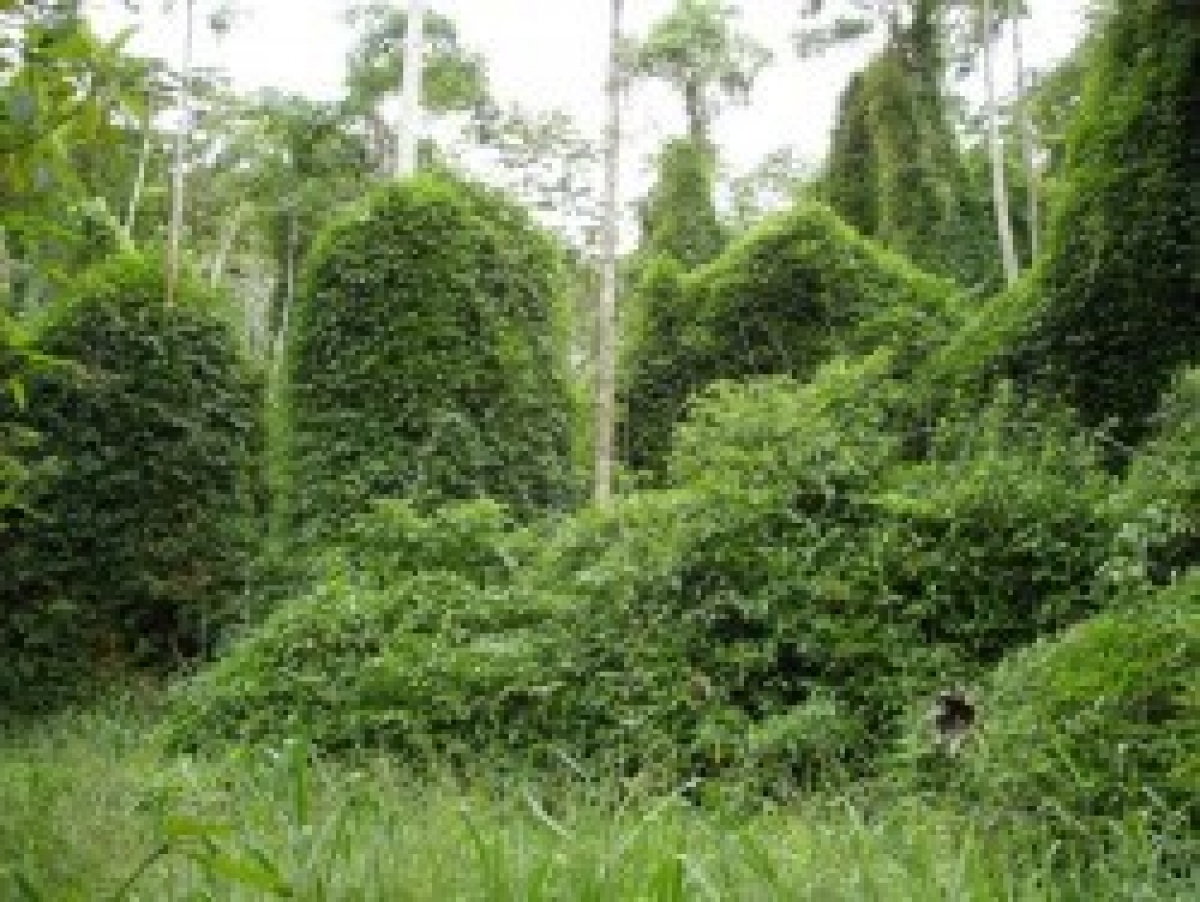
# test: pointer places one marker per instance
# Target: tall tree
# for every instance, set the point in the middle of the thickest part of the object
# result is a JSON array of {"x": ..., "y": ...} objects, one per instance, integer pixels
[
  {"x": 606, "y": 313},
  {"x": 697, "y": 50},
  {"x": 453, "y": 78},
  {"x": 1004, "y": 230},
  {"x": 410, "y": 115}
]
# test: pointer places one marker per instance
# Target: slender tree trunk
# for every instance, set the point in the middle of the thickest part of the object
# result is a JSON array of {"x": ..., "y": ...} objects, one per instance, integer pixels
[
  {"x": 410, "y": 116},
  {"x": 289, "y": 284},
  {"x": 1028, "y": 142},
  {"x": 229, "y": 233},
  {"x": 175, "y": 237},
  {"x": 139, "y": 179},
  {"x": 1008, "y": 250},
  {"x": 697, "y": 116},
  {"x": 606, "y": 313}
]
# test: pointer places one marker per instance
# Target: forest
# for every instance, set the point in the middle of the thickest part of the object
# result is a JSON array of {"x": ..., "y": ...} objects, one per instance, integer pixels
[{"x": 391, "y": 513}]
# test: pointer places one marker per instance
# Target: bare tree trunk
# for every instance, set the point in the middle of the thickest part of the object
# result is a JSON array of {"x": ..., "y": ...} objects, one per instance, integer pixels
[
  {"x": 139, "y": 180},
  {"x": 228, "y": 235},
  {"x": 1008, "y": 250},
  {"x": 289, "y": 295},
  {"x": 606, "y": 313},
  {"x": 410, "y": 116},
  {"x": 175, "y": 238},
  {"x": 1028, "y": 142}
]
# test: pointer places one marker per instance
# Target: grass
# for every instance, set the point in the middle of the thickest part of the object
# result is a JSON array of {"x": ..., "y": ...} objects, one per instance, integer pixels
[{"x": 90, "y": 810}]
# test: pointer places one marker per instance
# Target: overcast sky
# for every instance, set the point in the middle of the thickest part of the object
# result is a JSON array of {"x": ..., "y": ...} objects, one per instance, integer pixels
[{"x": 552, "y": 54}]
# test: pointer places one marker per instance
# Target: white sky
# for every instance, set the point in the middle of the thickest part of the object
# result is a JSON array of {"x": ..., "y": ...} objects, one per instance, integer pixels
[{"x": 552, "y": 54}]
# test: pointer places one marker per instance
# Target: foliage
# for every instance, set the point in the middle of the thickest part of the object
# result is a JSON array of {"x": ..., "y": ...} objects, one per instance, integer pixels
[
  {"x": 697, "y": 49},
  {"x": 433, "y": 667},
  {"x": 65, "y": 94},
  {"x": 139, "y": 542},
  {"x": 679, "y": 218},
  {"x": 454, "y": 78},
  {"x": 1158, "y": 502},
  {"x": 427, "y": 357},
  {"x": 1121, "y": 282},
  {"x": 1103, "y": 721},
  {"x": 894, "y": 172},
  {"x": 795, "y": 291},
  {"x": 477, "y": 540},
  {"x": 771, "y": 620}
]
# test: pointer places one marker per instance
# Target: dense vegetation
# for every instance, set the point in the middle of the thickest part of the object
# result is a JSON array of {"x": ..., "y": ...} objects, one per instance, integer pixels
[
  {"x": 305, "y": 566},
  {"x": 136, "y": 539},
  {"x": 795, "y": 291},
  {"x": 425, "y": 357}
]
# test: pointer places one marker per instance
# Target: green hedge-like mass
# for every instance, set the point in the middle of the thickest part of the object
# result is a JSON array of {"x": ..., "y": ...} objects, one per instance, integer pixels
[
  {"x": 137, "y": 543},
  {"x": 797, "y": 290},
  {"x": 774, "y": 618},
  {"x": 426, "y": 358},
  {"x": 1120, "y": 287},
  {"x": 1103, "y": 720}
]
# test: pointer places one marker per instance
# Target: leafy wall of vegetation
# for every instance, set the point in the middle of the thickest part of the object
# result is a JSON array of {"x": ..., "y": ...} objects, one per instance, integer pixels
[
  {"x": 427, "y": 357},
  {"x": 774, "y": 617},
  {"x": 797, "y": 290},
  {"x": 137, "y": 544},
  {"x": 1120, "y": 288}
]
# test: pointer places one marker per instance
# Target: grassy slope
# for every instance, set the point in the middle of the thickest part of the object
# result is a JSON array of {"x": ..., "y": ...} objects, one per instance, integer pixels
[{"x": 85, "y": 800}]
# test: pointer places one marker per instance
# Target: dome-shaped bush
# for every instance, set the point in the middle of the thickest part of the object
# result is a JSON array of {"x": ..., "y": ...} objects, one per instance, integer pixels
[
  {"x": 426, "y": 358},
  {"x": 799, "y": 289},
  {"x": 1103, "y": 720},
  {"x": 149, "y": 522}
]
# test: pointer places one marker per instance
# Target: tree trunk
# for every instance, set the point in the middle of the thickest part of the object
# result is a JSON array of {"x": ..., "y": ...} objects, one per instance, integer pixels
[
  {"x": 175, "y": 238},
  {"x": 410, "y": 116},
  {"x": 228, "y": 235},
  {"x": 139, "y": 180},
  {"x": 606, "y": 352},
  {"x": 1028, "y": 142},
  {"x": 1008, "y": 250},
  {"x": 697, "y": 116}
]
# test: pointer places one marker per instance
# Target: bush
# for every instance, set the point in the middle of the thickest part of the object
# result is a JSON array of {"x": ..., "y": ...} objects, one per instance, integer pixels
[
  {"x": 433, "y": 668},
  {"x": 776, "y": 614},
  {"x": 798, "y": 290},
  {"x": 1158, "y": 502},
  {"x": 427, "y": 360},
  {"x": 138, "y": 545},
  {"x": 1103, "y": 721},
  {"x": 1121, "y": 280},
  {"x": 476, "y": 539}
]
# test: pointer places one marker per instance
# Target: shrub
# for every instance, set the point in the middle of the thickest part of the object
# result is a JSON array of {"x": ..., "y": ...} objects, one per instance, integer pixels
[
  {"x": 426, "y": 359},
  {"x": 475, "y": 539},
  {"x": 434, "y": 668},
  {"x": 1158, "y": 502},
  {"x": 798, "y": 290},
  {"x": 1103, "y": 721},
  {"x": 139, "y": 543}
]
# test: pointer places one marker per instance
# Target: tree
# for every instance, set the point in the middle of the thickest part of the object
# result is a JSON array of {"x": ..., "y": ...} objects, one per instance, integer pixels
[
  {"x": 605, "y": 387},
  {"x": 697, "y": 50},
  {"x": 771, "y": 185},
  {"x": 452, "y": 79}
]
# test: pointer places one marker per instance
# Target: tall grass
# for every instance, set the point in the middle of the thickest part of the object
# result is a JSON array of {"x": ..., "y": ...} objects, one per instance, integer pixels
[{"x": 89, "y": 810}]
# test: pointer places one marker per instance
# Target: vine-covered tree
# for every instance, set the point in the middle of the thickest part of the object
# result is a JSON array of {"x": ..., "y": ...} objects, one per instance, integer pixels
[{"x": 427, "y": 357}]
